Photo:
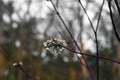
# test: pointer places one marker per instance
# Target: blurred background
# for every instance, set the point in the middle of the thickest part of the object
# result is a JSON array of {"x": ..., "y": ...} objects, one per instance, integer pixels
[{"x": 26, "y": 24}]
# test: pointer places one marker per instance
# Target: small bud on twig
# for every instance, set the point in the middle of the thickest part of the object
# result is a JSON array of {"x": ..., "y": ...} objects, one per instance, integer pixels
[{"x": 18, "y": 64}]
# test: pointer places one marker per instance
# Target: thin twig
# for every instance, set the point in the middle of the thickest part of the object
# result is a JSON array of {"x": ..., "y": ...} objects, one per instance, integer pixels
[
  {"x": 90, "y": 73},
  {"x": 7, "y": 56},
  {"x": 97, "y": 54},
  {"x": 3, "y": 51},
  {"x": 96, "y": 40},
  {"x": 117, "y": 5},
  {"x": 112, "y": 20},
  {"x": 86, "y": 54},
  {"x": 87, "y": 15},
  {"x": 100, "y": 15},
  {"x": 94, "y": 34},
  {"x": 28, "y": 75}
]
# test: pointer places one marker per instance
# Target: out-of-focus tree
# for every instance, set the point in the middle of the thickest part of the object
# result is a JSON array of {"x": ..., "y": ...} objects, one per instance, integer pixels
[{"x": 23, "y": 32}]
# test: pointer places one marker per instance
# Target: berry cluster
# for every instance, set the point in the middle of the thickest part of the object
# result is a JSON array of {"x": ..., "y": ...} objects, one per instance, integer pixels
[{"x": 54, "y": 45}]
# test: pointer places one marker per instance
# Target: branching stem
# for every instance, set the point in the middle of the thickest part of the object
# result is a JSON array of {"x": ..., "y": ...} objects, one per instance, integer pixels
[{"x": 95, "y": 33}]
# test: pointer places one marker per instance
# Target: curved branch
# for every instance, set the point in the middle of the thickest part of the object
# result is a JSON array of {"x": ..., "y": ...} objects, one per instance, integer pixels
[
  {"x": 112, "y": 20},
  {"x": 117, "y": 5},
  {"x": 100, "y": 57}
]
